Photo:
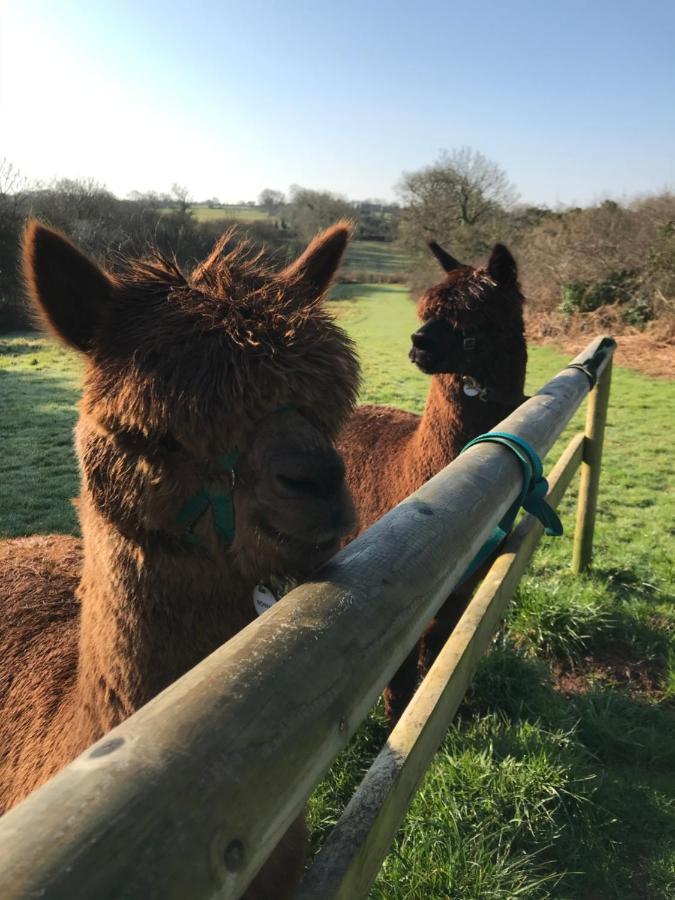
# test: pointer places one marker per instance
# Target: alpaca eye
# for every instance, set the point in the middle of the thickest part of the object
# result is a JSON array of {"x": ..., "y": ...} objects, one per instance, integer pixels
[{"x": 132, "y": 441}]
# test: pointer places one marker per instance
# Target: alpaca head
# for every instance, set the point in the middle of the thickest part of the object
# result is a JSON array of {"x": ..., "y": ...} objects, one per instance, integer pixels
[
  {"x": 472, "y": 320},
  {"x": 229, "y": 382}
]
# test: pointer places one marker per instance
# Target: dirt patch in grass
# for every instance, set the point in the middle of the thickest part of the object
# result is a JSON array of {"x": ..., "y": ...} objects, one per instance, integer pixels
[
  {"x": 615, "y": 665},
  {"x": 651, "y": 352}
]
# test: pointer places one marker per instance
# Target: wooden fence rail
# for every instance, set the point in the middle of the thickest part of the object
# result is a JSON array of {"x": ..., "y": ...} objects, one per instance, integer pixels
[
  {"x": 355, "y": 849},
  {"x": 188, "y": 797}
]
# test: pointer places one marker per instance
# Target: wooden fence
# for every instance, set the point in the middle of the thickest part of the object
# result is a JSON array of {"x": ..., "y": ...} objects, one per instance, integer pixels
[{"x": 188, "y": 797}]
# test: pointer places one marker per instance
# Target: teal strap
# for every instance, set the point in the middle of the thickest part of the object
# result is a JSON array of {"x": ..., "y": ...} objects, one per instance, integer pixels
[
  {"x": 228, "y": 460},
  {"x": 535, "y": 488},
  {"x": 222, "y": 503},
  {"x": 190, "y": 513}
]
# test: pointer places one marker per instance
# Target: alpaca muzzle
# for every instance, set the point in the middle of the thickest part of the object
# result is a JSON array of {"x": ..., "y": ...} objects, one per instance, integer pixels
[
  {"x": 431, "y": 347},
  {"x": 316, "y": 506},
  {"x": 318, "y": 476}
]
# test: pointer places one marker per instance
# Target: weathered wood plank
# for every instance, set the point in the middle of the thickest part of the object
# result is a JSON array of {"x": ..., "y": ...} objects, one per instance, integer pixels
[
  {"x": 596, "y": 418},
  {"x": 355, "y": 849},
  {"x": 229, "y": 753}
]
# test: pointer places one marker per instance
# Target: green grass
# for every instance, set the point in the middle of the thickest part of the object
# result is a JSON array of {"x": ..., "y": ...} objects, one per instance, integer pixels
[
  {"x": 374, "y": 256},
  {"x": 240, "y": 213},
  {"x": 381, "y": 319},
  {"x": 371, "y": 257},
  {"x": 39, "y": 387},
  {"x": 535, "y": 792},
  {"x": 229, "y": 213}
]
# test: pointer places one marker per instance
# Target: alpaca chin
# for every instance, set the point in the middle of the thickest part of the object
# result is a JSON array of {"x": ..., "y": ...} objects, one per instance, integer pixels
[
  {"x": 300, "y": 557},
  {"x": 425, "y": 362}
]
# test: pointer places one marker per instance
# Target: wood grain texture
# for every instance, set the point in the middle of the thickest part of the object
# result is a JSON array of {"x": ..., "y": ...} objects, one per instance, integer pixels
[
  {"x": 355, "y": 849},
  {"x": 596, "y": 418}
]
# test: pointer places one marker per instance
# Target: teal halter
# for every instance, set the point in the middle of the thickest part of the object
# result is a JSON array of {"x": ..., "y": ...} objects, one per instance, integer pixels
[
  {"x": 535, "y": 488},
  {"x": 221, "y": 501}
]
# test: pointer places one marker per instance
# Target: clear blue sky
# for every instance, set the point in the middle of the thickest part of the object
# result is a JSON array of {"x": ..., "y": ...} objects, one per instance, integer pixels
[{"x": 576, "y": 100}]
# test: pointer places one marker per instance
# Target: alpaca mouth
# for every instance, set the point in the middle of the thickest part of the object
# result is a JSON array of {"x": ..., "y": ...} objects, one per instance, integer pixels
[
  {"x": 424, "y": 360},
  {"x": 316, "y": 546}
]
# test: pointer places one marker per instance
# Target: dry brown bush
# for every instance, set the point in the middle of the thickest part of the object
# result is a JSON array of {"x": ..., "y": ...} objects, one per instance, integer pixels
[
  {"x": 581, "y": 245},
  {"x": 650, "y": 350}
]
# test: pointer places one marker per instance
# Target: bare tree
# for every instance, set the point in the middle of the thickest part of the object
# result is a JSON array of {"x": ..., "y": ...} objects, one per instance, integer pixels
[
  {"x": 12, "y": 182},
  {"x": 604, "y": 254},
  {"x": 13, "y": 193},
  {"x": 458, "y": 200},
  {"x": 77, "y": 199},
  {"x": 13, "y": 207},
  {"x": 310, "y": 211},
  {"x": 271, "y": 200},
  {"x": 181, "y": 196},
  {"x": 148, "y": 199}
]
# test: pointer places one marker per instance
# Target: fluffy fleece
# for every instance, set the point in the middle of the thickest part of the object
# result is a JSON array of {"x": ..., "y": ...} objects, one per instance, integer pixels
[
  {"x": 180, "y": 368},
  {"x": 390, "y": 453}
]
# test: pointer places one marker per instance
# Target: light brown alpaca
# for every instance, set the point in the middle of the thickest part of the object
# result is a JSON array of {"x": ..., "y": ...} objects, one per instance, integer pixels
[
  {"x": 471, "y": 343},
  {"x": 180, "y": 369}
]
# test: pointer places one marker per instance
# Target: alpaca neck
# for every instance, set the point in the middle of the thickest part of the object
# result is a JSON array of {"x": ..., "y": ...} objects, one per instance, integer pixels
[
  {"x": 148, "y": 616},
  {"x": 451, "y": 419}
]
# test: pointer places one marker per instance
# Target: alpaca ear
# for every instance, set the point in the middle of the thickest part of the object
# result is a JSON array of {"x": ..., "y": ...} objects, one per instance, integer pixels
[
  {"x": 70, "y": 292},
  {"x": 448, "y": 263},
  {"x": 312, "y": 272},
  {"x": 502, "y": 266}
]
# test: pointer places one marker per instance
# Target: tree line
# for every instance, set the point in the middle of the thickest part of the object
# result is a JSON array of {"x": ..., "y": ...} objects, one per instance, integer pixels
[
  {"x": 617, "y": 257},
  {"x": 110, "y": 228}
]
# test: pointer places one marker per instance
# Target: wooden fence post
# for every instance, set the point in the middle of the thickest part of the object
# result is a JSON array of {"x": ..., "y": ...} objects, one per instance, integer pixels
[{"x": 596, "y": 418}]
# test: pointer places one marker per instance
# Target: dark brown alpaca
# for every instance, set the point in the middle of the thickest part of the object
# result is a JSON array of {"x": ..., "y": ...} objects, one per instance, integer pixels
[
  {"x": 180, "y": 369},
  {"x": 472, "y": 344}
]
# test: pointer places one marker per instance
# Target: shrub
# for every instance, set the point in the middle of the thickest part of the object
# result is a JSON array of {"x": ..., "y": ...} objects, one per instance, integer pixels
[{"x": 621, "y": 287}]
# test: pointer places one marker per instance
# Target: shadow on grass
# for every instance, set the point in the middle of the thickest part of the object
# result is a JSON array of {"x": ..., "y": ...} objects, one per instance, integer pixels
[
  {"x": 38, "y": 469},
  {"x": 333, "y": 793},
  {"x": 624, "y": 745},
  {"x": 580, "y": 785},
  {"x": 22, "y": 347},
  {"x": 612, "y": 726},
  {"x": 626, "y": 584},
  {"x": 611, "y": 624}
]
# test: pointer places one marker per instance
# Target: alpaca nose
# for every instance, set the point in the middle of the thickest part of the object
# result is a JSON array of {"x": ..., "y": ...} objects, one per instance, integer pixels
[
  {"x": 421, "y": 341},
  {"x": 318, "y": 477}
]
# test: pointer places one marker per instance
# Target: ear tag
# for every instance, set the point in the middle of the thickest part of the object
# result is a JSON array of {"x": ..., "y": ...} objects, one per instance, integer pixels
[
  {"x": 470, "y": 387},
  {"x": 470, "y": 391},
  {"x": 263, "y": 598}
]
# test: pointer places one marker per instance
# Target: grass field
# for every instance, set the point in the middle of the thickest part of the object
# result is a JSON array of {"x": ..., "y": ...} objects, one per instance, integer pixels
[
  {"x": 558, "y": 779},
  {"x": 375, "y": 256},
  {"x": 228, "y": 213}
]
